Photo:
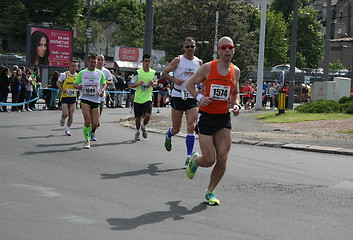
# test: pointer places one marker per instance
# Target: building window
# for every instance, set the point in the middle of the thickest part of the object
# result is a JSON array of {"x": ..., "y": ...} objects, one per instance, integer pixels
[{"x": 340, "y": 15}]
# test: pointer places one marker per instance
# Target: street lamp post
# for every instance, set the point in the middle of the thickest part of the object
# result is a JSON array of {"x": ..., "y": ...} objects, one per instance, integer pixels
[{"x": 293, "y": 50}]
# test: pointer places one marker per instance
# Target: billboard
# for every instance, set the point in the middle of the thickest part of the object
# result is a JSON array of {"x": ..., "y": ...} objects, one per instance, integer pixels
[
  {"x": 49, "y": 46},
  {"x": 130, "y": 54}
]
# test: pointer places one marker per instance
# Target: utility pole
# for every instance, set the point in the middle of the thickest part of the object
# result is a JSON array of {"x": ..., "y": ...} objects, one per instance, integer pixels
[
  {"x": 327, "y": 40},
  {"x": 148, "y": 38},
  {"x": 88, "y": 29},
  {"x": 293, "y": 50},
  {"x": 260, "y": 61},
  {"x": 215, "y": 44}
]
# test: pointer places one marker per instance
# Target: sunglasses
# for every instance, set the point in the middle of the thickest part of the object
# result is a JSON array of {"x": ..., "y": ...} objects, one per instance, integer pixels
[
  {"x": 189, "y": 46},
  {"x": 224, "y": 47}
]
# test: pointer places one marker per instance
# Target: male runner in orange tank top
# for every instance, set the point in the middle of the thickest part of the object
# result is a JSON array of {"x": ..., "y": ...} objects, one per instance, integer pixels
[{"x": 220, "y": 92}]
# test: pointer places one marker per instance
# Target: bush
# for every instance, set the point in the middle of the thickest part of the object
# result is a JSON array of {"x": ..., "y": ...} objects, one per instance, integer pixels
[
  {"x": 347, "y": 107},
  {"x": 320, "y": 106},
  {"x": 345, "y": 99}
]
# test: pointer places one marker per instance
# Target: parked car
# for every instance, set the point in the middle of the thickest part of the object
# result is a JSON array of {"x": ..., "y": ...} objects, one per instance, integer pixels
[
  {"x": 318, "y": 71},
  {"x": 11, "y": 58},
  {"x": 285, "y": 68},
  {"x": 342, "y": 72}
]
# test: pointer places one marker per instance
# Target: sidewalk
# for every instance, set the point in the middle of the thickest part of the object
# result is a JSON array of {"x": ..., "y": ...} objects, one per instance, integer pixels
[{"x": 247, "y": 129}]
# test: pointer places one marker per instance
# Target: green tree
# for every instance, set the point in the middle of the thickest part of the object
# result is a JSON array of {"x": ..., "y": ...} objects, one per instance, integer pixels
[
  {"x": 277, "y": 44},
  {"x": 80, "y": 38},
  {"x": 237, "y": 20},
  {"x": 286, "y": 6},
  {"x": 310, "y": 42},
  {"x": 336, "y": 65},
  {"x": 128, "y": 15},
  {"x": 309, "y": 38},
  {"x": 16, "y": 14},
  {"x": 13, "y": 20}
]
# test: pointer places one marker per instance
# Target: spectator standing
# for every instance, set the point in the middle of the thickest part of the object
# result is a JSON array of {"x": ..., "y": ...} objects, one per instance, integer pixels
[
  {"x": 111, "y": 95},
  {"x": 162, "y": 86},
  {"x": 54, "y": 91},
  {"x": 29, "y": 88},
  {"x": 247, "y": 93},
  {"x": 36, "y": 86},
  {"x": 16, "y": 88},
  {"x": 120, "y": 87},
  {"x": 273, "y": 91},
  {"x": 22, "y": 96},
  {"x": 5, "y": 81},
  {"x": 264, "y": 94},
  {"x": 129, "y": 99}
]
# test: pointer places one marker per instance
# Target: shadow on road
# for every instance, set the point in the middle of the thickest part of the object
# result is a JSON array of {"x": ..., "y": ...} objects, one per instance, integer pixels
[
  {"x": 93, "y": 145},
  {"x": 175, "y": 212},
  {"x": 152, "y": 170}
]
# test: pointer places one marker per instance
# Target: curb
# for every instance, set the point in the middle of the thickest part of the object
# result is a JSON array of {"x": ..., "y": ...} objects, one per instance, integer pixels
[{"x": 124, "y": 121}]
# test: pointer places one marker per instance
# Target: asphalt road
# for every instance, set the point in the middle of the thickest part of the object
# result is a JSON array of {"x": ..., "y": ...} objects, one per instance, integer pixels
[{"x": 51, "y": 188}]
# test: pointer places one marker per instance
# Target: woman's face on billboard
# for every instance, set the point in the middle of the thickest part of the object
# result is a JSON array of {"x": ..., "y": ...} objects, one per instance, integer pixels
[{"x": 42, "y": 47}]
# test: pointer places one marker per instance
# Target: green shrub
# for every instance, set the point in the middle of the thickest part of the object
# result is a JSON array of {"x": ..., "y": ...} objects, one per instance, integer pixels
[
  {"x": 319, "y": 106},
  {"x": 345, "y": 99},
  {"x": 347, "y": 107},
  {"x": 350, "y": 109}
]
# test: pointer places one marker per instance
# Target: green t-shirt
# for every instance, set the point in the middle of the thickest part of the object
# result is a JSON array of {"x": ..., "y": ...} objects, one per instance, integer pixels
[{"x": 144, "y": 92}]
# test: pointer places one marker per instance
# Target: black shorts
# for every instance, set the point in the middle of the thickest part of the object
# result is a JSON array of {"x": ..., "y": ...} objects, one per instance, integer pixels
[
  {"x": 182, "y": 105},
  {"x": 93, "y": 105},
  {"x": 208, "y": 124},
  {"x": 141, "y": 108},
  {"x": 68, "y": 100}
]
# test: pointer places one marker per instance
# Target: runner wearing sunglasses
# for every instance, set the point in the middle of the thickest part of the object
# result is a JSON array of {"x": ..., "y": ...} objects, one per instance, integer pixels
[
  {"x": 220, "y": 92},
  {"x": 183, "y": 66}
]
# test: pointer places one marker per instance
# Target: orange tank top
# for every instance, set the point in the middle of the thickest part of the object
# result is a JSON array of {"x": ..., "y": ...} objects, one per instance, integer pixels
[{"x": 219, "y": 88}]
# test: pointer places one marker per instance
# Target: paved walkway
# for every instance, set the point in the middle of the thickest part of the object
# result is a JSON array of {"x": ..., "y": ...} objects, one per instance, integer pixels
[{"x": 247, "y": 129}]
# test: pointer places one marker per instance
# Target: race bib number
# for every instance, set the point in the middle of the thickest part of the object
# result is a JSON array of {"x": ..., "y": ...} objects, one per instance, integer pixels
[
  {"x": 184, "y": 94},
  {"x": 219, "y": 92},
  {"x": 145, "y": 87},
  {"x": 70, "y": 92},
  {"x": 90, "y": 90}
]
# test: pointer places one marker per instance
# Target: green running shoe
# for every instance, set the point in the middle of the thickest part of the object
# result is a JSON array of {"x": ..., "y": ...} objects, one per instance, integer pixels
[
  {"x": 192, "y": 167},
  {"x": 211, "y": 199},
  {"x": 168, "y": 143},
  {"x": 187, "y": 162}
]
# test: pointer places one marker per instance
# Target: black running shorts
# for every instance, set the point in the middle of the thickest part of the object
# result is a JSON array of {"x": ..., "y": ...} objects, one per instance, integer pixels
[{"x": 208, "y": 124}]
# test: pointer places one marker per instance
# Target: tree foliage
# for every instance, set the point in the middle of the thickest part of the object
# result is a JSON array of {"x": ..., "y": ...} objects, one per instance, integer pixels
[
  {"x": 128, "y": 15},
  {"x": 309, "y": 38},
  {"x": 16, "y": 14},
  {"x": 277, "y": 44},
  {"x": 310, "y": 42},
  {"x": 175, "y": 20},
  {"x": 286, "y": 6}
]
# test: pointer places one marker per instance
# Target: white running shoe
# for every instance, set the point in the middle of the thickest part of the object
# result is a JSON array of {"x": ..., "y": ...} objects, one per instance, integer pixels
[
  {"x": 87, "y": 145},
  {"x": 68, "y": 133}
]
